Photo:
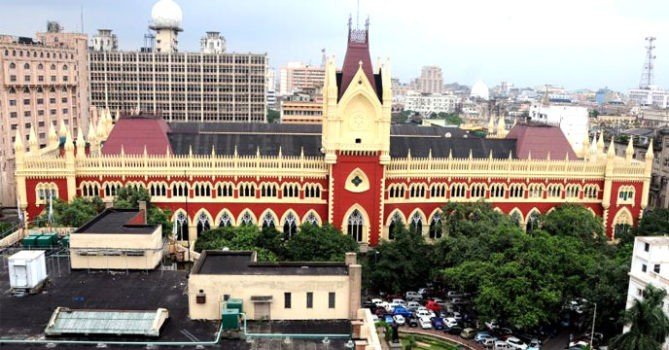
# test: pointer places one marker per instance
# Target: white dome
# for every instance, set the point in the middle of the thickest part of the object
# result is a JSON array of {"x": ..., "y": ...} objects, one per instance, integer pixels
[
  {"x": 480, "y": 90},
  {"x": 166, "y": 14}
]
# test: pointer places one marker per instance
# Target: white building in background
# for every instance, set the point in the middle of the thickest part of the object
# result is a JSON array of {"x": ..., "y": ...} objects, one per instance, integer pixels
[
  {"x": 480, "y": 90},
  {"x": 297, "y": 77},
  {"x": 104, "y": 40},
  {"x": 212, "y": 42},
  {"x": 429, "y": 103},
  {"x": 650, "y": 265},
  {"x": 652, "y": 96},
  {"x": 166, "y": 18},
  {"x": 270, "y": 88},
  {"x": 431, "y": 80},
  {"x": 573, "y": 121}
]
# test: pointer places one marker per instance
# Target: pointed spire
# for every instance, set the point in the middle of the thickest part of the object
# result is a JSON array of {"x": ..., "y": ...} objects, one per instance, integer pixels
[
  {"x": 611, "y": 152},
  {"x": 510, "y": 154},
  {"x": 629, "y": 152},
  {"x": 18, "y": 142},
  {"x": 409, "y": 153},
  {"x": 491, "y": 126},
  {"x": 92, "y": 135},
  {"x": 235, "y": 152},
  {"x": 122, "y": 151},
  {"x": 650, "y": 155},
  {"x": 585, "y": 147},
  {"x": 600, "y": 143},
  {"x": 213, "y": 150},
  {"x": 450, "y": 153},
  {"x": 145, "y": 152},
  {"x": 429, "y": 153},
  {"x": 548, "y": 156},
  {"x": 257, "y": 151},
  {"x": 529, "y": 155},
  {"x": 490, "y": 156},
  {"x": 33, "y": 143},
  {"x": 63, "y": 130},
  {"x": 53, "y": 137},
  {"x": 167, "y": 150},
  {"x": 501, "y": 127},
  {"x": 81, "y": 143},
  {"x": 69, "y": 146},
  {"x": 190, "y": 150},
  {"x": 280, "y": 152},
  {"x": 471, "y": 156}
]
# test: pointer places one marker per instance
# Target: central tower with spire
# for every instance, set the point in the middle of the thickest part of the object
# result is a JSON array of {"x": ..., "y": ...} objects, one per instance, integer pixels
[{"x": 356, "y": 137}]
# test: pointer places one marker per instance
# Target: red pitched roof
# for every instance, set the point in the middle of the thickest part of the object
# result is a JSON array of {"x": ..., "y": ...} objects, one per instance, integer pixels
[
  {"x": 540, "y": 140},
  {"x": 133, "y": 133},
  {"x": 357, "y": 51}
]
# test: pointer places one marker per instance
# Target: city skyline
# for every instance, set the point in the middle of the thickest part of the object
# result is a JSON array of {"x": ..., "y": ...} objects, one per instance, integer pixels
[{"x": 592, "y": 45}]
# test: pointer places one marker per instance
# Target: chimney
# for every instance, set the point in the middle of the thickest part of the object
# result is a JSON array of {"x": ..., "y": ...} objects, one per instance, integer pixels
[
  {"x": 142, "y": 209},
  {"x": 350, "y": 258}
]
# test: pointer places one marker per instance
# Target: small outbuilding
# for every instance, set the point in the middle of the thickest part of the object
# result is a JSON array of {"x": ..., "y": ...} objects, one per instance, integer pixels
[
  {"x": 117, "y": 239},
  {"x": 223, "y": 280}
]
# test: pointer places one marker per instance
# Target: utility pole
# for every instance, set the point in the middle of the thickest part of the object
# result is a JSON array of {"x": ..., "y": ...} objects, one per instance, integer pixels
[{"x": 592, "y": 332}]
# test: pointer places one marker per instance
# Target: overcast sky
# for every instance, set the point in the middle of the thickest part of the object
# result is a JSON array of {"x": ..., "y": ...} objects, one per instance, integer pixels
[{"x": 572, "y": 43}]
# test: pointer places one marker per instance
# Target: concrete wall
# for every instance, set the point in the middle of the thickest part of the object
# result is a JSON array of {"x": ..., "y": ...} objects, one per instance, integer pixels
[
  {"x": 104, "y": 244},
  {"x": 244, "y": 287}
]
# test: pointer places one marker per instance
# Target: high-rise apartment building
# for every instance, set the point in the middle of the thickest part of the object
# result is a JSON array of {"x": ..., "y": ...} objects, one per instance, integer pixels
[
  {"x": 43, "y": 85},
  {"x": 431, "y": 80},
  {"x": 104, "y": 40},
  {"x": 297, "y": 77},
  {"x": 207, "y": 86}
]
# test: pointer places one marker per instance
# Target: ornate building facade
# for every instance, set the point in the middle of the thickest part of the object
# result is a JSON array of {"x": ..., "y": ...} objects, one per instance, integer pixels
[{"x": 355, "y": 171}]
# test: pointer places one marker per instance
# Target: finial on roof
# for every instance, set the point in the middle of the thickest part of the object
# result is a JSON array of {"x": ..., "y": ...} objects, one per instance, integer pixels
[
  {"x": 649, "y": 153},
  {"x": 611, "y": 152},
  {"x": 18, "y": 142}
]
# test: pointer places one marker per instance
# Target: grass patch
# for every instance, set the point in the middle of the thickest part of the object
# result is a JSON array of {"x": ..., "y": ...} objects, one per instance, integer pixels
[{"x": 422, "y": 342}]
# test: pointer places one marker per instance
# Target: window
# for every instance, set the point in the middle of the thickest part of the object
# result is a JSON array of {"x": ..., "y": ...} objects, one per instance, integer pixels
[
  {"x": 554, "y": 191},
  {"x": 12, "y": 102},
  {"x": 331, "y": 300},
  {"x": 644, "y": 268},
  {"x": 310, "y": 300},
  {"x": 478, "y": 191},
  {"x": 536, "y": 191},
  {"x": 656, "y": 268},
  {"x": 355, "y": 224},
  {"x": 435, "y": 226},
  {"x": 639, "y": 292},
  {"x": 646, "y": 247},
  {"x": 287, "y": 300},
  {"x": 626, "y": 194},
  {"x": 26, "y": 101}
]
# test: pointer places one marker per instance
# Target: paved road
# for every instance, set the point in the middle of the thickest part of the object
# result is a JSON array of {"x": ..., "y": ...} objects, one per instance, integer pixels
[{"x": 557, "y": 343}]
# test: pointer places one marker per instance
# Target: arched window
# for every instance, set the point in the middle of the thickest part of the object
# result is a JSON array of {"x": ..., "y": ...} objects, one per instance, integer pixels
[
  {"x": 12, "y": 65},
  {"x": 65, "y": 67},
  {"x": 289, "y": 226},
  {"x": 312, "y": 218},
  {"x": 291, "y": 191},
  {"x": 268, "y": 190},
  {"x": 416, "y": 224},
  {"x": 355, "y": 225},
  {"x": 591, "y": 191},
  {"x": 182, "y": 227},
  {"x": 572, "y": 191},
  {"x": 555, "y": 191},
  {"x": 40, "y": 66},
  {"x": 536, "y": 191},
  {"x": 268, "y": 221},
  {"x": 532, "y": 222},
  {"x": 626, "y": 194},
  {"x": 517, "y": 218},
  {"x": 437, "y": 190},
  {"x": 53, "y": 67},
  {"x": 247, "y": 219},
  {"x": 497, "y": 191},
  {"x": 395, "y": 224},
  {"x": 516, "y": 191},
  {"x": 26, "y": 66},
  {"x": 417, "y": 191},
  {"x": 247, "y": 190},
  {"x": 435, "y": 226},
  {"x": 225, "y": 220},
  {"x": 202, "y": 223},
  {"x": 478, "y": 191},
  {"x": 458, "y": 190},
  {"x": 224, "y": 190}
]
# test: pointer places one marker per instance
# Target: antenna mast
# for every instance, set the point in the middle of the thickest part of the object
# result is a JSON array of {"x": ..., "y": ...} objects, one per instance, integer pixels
[
  {"x": 357, "y": 16},
  {"x": 647, "y": 74}
]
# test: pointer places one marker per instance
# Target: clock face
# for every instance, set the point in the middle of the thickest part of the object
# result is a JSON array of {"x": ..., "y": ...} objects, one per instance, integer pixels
[{"x": 358, "y": 122}]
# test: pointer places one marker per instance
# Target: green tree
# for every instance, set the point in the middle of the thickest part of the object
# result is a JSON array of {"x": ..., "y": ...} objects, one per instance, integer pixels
[
  {"x": 273, "y": 116},
  {"x": 649, "y": 325},
  {"x": 654, "y": 222},
  {"x": 401, "y": 264},
  {"x": 245, "y": 237},
  {"x": 314, "y": 243},
  {"x": 575, "y": 221},
  {"x": 72, "y": 214},
  {"x": 451, "y": 118}
]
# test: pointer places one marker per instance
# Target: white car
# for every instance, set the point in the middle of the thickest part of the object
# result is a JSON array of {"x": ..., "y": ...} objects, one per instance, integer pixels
[
  {"x": 516, "y": 343},
  {"x": 413, "y": 305},
  {"x": 399, "y": 319},
  {"x": 492, "y": 325},
  {"x": 377, "y": 301},
  {"x": 412, "y": 296},
  {"x": 457, "y": 316},
  {"x": 424, "y": 322},
  {"x": 450, "y": 322},
  {"x": 501, "y": 345},
  {"x": 401, "y": 302},
  {"x": 425, "y": 313}
]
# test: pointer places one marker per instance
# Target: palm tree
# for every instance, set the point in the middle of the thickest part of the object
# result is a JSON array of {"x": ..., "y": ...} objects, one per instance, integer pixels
[{"x": 649, "y": 326}]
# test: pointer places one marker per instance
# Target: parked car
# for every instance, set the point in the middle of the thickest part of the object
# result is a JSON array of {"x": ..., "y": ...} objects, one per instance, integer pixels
[
  {"x": 425, "y": 323},
  {"x": 433, "y": 306},
  {"x": 400, "y": 310},
  {"x": 455, "y": 330},
  {"x": 459, "y": 301},
  {"x": 492, "y": 325},
  {"x": 412, "y": 321},
  {"x": 437, "y": 323},
  {"x": 501, "y": 345},
  {"x": 425, "y": 313},
  {"x": 516, "y": 343},
  {"x": 398, "y": 301},
  {"x": 481, "y": 336},
  {"x": 388, "y": 319},
  {"x": 450, "y": 322},
  {"x": 489, "y": 343},
  {"x": 453, "y": 294},
  {"x": 468, "y": 333},
  {"x": 503, "y": 332},
  {"x": 413, "y": 305},
  {"x": 399, "y": 319},
  {"x": 535, "y": 344},
  {"x": 413, "y": 296}
]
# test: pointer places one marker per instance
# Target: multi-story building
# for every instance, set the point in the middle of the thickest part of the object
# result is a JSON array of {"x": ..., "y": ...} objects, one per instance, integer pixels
[
  {"x": 652, "y": 96},
  {"x": 180, "y": 86},
  {"x": 213, "y": 42},
  {"x": 43, "y": 85},
  {"x": 650, "y": 266},
  {"x": 297, "y": 76},
  {"x": 427, "y": 104},
  {"x": 104, "y": 40},
  {"x": 355, "y": 171},
  {"x": 301, "y": 112},
  {"x": 431, "y": 80},
  {"x": 572, "y": 120}
]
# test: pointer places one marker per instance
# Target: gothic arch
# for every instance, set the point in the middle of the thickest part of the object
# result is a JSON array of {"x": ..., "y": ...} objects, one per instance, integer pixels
[
  {"x": 591, "y": 211},
  {"x": 217, "y": 222},
  {"x": 389, "y": 219},
  {"x": 181, "y": 223},
  {"x": 621, "y": 222},
  {"x": 289, "y": 223},
  {"x": 517, "y": 216},
  {"x": 365, "y": 222},
  {"x": 312, "y": 215},
  {"x": 496, "y": 209},
  {"x": 423, "y": 221},
  {"x": 262, "y": 222},
  {"x": 203, "y": 221},
  {"x": 530, "y": 222},
  {"x": 251, "y": 216},
  {"x": 203, "y": 210},
  {"x": 357, "y": 181},
  {"x": 434, "y": 224}
]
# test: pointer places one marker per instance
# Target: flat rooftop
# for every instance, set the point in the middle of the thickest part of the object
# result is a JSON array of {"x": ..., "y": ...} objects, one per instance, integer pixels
[
  {"x": 213, "y": 262},
  {"x": 117, "y": 221},
  {"x": 26, "y": 317}
]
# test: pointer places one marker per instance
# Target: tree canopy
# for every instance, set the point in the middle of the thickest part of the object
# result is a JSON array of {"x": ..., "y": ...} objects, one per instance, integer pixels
[{"x": 649, "y": 325}]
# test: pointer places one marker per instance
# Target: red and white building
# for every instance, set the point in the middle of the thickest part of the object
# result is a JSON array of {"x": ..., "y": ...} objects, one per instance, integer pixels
[{"x": 356, "y": 170}]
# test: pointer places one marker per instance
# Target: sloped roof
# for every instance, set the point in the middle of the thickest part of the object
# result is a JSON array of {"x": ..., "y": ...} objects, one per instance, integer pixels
[
  {"x": 540, "y": 140},
  {"x": 357, "y": 53},
  {"x": 133, "y": 133}
]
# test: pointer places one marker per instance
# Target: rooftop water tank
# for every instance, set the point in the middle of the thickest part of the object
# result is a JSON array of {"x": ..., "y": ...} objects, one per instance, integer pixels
[{"x": 27, "y": 269}]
